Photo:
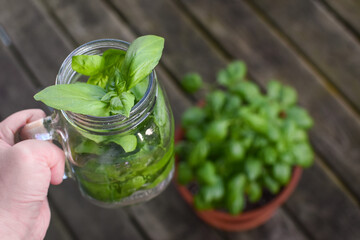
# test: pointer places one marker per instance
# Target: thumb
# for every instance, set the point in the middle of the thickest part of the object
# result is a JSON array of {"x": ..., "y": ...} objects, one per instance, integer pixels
[
  {"x": 11, "y": 124},
  {"x": 43, "y": 152}
]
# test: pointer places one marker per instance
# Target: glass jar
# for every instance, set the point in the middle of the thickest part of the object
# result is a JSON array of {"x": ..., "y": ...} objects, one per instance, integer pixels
[{"x": 116, "y": 161}]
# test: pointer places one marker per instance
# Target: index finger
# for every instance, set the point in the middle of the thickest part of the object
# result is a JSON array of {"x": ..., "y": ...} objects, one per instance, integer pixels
[{"x": 14, "y": 122}]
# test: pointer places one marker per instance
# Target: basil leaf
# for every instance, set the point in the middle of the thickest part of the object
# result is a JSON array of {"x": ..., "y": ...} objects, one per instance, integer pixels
[
  {"x": 282, "y": 173},
  {"x": 78, "y": 98},
  {"x": 206, "y": 173},
  {"x": 272, "y": 185},
  {"x": 191, "y": 82},
  {"x": 199, "y": 153},
  {"x": 139, "y": 89},
  {"x": 88, "y": 64},
  {"x": 254, "y": 192},
  {"x": 141, "y": 58},
  {"x": 214, "y": 192},
  {"x": 185, "y": 174},
  {"x": 88, "y": 146},
  {"x": 193, "y": 116},
  {"x": 128, "y": 142},
  {"x": 217, "y": 130},
  {"x": 98, "y": 79},
  {"x": 234, "y": 73},
  {"x": 253, "y": 169},
  {"x": 114, "y": 57},
  {"x": 122, "y": 104}
]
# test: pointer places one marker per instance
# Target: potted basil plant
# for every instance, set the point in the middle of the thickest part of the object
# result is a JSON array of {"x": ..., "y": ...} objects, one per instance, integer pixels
[{"x": 241, "y": 151}]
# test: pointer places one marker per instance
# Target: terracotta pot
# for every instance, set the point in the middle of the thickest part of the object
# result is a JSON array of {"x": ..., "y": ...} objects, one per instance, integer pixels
[{"x": 244, "y": 221}]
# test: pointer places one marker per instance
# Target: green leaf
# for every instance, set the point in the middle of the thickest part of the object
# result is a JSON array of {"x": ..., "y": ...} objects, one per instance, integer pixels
[
  {"x": 274, "y": 89},
  {"x": 78, "y": 98},
  {"x": 235, "y": 201},
  {"x": 185, "y": 174},
  {"x": 247, "y": 90},
  {"x": 235, "y": 151},
  {"x": 199, "y": 153},
  {"x": 193, "y": 116},
  {"x": 114, "y": 57},
  {"x": 98, "y": 79},
  {"x": 237, "y": 183},
  {"x": 254, "y": 192},
  {"x": 160, "y": 111},
  {"x": 253, "y": 169},
  {"x": 217, "y": 130},
  {"x": 108, "y": 96},
  {"x": 200, "y": 203},
  {"x": 141, "y": 58},
  {"x": 139, "y": 89},
  {"x": 122, "y": 104},
  {"x": 288, "y": 96},
  {"x": 88, "y": 64},
  {"x": 269, "y": 155},
  {"x": 128, "y": 142},
  {"x": 214, "y": 192},
  {"x": 206, "y": 173},
  {"x": 215, "y": 101},
  {"x": 282, "y": 173},
  {"x": 191, "y": 82},
  {"x": 303, "y": 154},
  {"x": 233, "y": 73},
  {"x": 256, "y": 122},
  {"x": 88, "y": 146},
  {"x": 272, "y": 185},
  {"x": 300, "y": 116}
]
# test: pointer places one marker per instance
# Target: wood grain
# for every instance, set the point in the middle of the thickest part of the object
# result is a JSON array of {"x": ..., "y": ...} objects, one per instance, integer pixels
[
  {"x": 347, "y": 10},
  {"x": 35, "y": 39},
  {"x": 324, "y": 41},
  {"x": 88, "y": 221},
  {"x": 326, "y": 213},
  {"x": 244, "y": 35},
  {"x": 16, "y": 88}
]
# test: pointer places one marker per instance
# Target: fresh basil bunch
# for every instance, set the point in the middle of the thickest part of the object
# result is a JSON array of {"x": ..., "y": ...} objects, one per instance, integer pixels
[
  {"x": 241, "y": 142},
  {"x": 116, "y": 80}
]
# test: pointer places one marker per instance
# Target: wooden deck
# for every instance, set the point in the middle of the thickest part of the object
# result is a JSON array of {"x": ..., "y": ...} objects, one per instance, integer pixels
[{"x": 313, "y": 45}]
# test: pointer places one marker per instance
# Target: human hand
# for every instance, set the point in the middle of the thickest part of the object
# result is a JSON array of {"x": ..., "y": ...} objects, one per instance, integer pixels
[{"x": 26, "y": 170}]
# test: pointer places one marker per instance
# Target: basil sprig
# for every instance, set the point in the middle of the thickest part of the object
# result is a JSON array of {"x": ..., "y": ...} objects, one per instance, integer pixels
[{"x": 112, "y": 77}]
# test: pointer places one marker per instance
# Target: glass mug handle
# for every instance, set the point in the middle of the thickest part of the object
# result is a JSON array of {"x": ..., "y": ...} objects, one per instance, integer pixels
[{"x": 43, "y": 129}]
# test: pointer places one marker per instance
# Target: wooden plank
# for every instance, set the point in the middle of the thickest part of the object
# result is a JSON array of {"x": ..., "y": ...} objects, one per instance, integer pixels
[
  {"x": 164, "y": 19},
  {"x": 177, "y": 218},
  {"x": 15, "y": 88},
  {"x": 57, "y": 229},
  {"x": 278, "y": 227},
  {"x": 246, "y": 36},
  {"x": 77, "y": 16},
  {"x": 35, "y": 39},
  {"x": 325, "y": 212},
  {"x": 349, "y": 11},
  {"x": 322, "y": 39},
  {"x": 87, "y": 220},
  {"x": 54, "y": 48}
]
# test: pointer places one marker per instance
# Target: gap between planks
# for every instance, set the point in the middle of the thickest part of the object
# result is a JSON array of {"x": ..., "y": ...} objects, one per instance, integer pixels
[
  {"x": 350, "y": 29},
  {"x": 327, "y": 83}
]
